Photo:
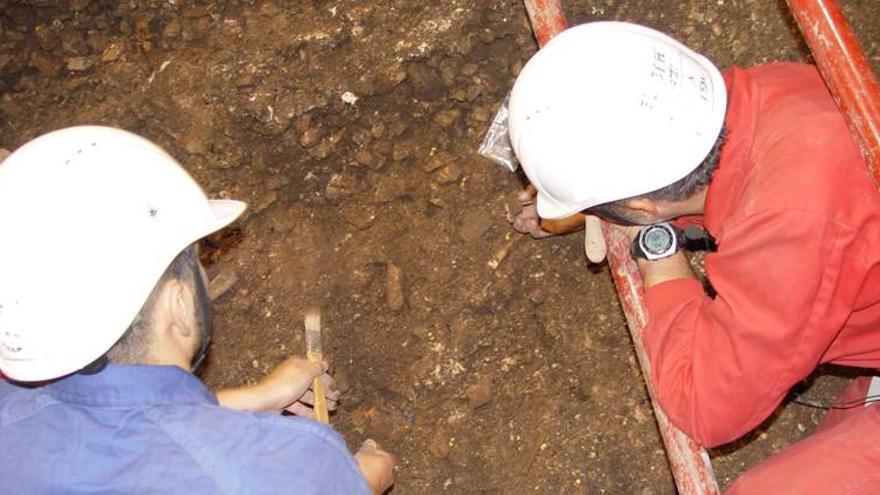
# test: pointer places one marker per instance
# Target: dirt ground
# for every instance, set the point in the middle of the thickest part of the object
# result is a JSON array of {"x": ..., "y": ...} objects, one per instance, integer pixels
[{"x": 350, "y": 126}]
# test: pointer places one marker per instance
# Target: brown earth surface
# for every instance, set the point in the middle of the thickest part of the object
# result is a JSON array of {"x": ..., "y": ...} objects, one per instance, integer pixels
[{"x": 350, "y": 126}]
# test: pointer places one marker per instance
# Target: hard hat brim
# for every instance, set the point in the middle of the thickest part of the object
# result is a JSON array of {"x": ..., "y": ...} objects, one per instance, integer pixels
[
  {"x": 226, "y": 211},
  {"x": 551, "y": 209}
]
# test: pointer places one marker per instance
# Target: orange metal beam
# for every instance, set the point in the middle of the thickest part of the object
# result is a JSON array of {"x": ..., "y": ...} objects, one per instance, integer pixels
[{"x": 846, "y": 71}]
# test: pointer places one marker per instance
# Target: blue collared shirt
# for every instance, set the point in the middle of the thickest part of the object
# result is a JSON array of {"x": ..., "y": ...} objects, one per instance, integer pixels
[{"x": 157, "y": 429}]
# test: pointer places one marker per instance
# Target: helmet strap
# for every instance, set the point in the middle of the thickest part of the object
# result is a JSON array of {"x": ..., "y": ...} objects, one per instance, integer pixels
[
  {"x": 95, "y": 366},
  {"x": 204, "y": 318}
]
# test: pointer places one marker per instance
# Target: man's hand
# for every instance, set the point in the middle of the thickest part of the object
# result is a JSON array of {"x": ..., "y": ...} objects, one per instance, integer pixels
[
  {"x": 527, "y": 220},
  {"x": 377, "y": 466},
  {"x": 286, "y": 388}
]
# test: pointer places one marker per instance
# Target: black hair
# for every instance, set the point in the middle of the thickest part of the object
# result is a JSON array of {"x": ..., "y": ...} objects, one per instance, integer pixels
[
  {"x": 134, "y": 345},
  {"x": 700, "y": 177}
]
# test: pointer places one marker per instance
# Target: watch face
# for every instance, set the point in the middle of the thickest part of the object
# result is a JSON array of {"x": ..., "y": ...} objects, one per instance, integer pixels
[{"x": 657, "y": 240}]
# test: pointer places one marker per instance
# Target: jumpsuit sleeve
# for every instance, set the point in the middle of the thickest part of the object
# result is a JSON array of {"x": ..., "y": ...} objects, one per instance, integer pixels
[{"x": 721, "y": 366}]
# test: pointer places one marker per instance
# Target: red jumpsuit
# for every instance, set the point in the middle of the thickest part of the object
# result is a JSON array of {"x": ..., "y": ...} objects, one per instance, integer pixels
[{"x": 796, "y": 217}]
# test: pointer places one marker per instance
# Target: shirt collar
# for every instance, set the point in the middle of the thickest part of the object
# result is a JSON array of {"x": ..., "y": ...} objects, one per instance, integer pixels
[
  {"x": 132, "y": 386},
  {"x": 727, "y": 181}
]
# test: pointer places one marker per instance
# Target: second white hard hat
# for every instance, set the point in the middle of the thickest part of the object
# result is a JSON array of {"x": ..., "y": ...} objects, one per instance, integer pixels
[
  {"x": 611, "y": 110},
  {"x": 91, "y": 218}
]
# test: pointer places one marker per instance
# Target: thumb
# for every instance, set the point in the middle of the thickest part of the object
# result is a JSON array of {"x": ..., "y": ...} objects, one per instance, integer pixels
[
  {"x": 368, "y": 447},
  {"x": 317, "y": 369}
]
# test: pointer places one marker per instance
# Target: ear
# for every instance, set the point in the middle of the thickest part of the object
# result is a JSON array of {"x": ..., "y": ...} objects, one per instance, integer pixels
[
  {"x": 644, "y": 205},
  {"x": 179, "y": 300}
]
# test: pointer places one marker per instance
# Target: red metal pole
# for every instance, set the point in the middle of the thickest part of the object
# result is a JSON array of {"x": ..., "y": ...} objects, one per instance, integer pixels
[
  {"x": 547, "y": 19},
  {"x": 846, "y": 71},
  {"x": 690, "y": 464}
]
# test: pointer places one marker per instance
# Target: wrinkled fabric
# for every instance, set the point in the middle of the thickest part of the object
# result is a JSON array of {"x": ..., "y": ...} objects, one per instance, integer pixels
[
  {"x": 796, "y": 217},
  {"x": 157, "y": 429},
  {"x": 840, "y": 458}
]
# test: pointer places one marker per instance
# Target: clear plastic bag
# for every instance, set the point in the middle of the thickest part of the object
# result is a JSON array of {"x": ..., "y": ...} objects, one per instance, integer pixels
[{"x": 496, "y": 145}]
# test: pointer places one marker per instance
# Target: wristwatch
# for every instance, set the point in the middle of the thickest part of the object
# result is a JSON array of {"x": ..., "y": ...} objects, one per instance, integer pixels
[{"x": 656, "y": 242}]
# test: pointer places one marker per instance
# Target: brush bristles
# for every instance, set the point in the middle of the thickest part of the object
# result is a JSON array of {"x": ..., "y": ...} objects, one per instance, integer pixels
[
  {"x": 313, "y": 321},
  {"x": 313, "y": 331}
]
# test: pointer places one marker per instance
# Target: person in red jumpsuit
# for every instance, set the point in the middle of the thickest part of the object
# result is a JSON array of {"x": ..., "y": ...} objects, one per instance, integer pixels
[{"x": 773, "y": 174}]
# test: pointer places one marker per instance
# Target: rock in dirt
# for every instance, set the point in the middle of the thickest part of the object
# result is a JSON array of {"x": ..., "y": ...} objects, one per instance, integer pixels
[
  {"x": 359, "y": 216},
  {"x": 439, "y": 160},
  {"x": 339, "y": 186},
  {"x": 78, "y": 64},
  {"x": 311, "y": 136},
  {"x": 474, "y": 224},
  {"x": 221, "y": 283},
  {"x": 449, "y": 174},
  {"x": 438, "y": 446},
  {"x": 426, "y": 82},
  {"x": 45, "y": 63},
  {"x": 111, "y": 53},
  {"x": 394, "y": 287},
  {"x": 479, "y": 394},
  {"x": 46, "y": 38},
  {"x": 446, "y": 118}
]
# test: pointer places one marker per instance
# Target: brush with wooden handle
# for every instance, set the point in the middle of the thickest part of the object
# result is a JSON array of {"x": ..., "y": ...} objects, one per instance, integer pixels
[{"x": 314, "y": 354}]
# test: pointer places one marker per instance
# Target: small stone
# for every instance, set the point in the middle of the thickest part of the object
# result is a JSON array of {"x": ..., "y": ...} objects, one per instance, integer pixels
[
  {"x": 78, "y": 64},
  {"x": 404, "y": 150},
  {"x": 96, "y": 41},
  {"x": 46, "y": 38},
  {"x": 439, "y": 160},
  {"x": 479, "y": 394},
  {"x": 171, "y": 30},
  {"x": 438, "y": 446},
  {"x": 359, "y": 216},
  {"x": 221, "y": 283},
  {"x": 446, "y": 118},
  {"x": 46, "y": 64},
  {"x": 466, "y": 95},
  {"x": 474, "y": 224},
  {"x": 74, "y": 43},
  {"x": 111, "y": 53},
  {"x": 394, "y": 287},
  {"x": 349, "y": 97},
  {"x": 364, "y": 157},
  {"x": 481, "y": 115},
  {"x": 310, "y": 137},
  {"x": 449, "y": 173},
  {"x": 426, "y": 82},
  {"x": 339, "y": 186}
]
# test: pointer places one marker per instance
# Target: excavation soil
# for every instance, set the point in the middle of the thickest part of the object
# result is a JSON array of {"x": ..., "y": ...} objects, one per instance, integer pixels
[{"x": 350, "y": 126}]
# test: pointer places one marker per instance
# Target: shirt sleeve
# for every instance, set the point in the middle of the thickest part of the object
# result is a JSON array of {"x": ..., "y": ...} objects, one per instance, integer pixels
[{"x": 721, "y": 366}]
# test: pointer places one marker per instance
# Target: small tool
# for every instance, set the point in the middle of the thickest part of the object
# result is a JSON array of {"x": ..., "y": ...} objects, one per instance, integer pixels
[{"x": 314, "y": 354}]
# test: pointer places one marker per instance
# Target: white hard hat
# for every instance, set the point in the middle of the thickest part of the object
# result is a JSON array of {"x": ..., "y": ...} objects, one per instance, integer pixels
[
  {"x": 611, "y": 110},
  {"x": 91, "y": 218}
]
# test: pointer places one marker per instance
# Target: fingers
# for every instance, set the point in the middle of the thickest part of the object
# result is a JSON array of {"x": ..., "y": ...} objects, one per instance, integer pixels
[
  {"x": 332, "y": 400},
  {"x": 301, "y": 410},
  {"x": 377, "y": 466},
  {"x": 594, "y": 240}
]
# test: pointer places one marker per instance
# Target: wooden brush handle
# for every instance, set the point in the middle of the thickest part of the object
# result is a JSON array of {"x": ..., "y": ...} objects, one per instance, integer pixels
[{"x": 320, "y": 403}]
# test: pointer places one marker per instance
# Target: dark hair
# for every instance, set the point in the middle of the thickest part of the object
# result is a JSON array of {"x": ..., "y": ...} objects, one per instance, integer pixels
[
  {"x": 133, "y": 347},
  {"x": 684, "y": 188}
]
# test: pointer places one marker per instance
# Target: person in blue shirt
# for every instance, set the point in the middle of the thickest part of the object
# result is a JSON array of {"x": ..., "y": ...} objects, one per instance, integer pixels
[{"x": 104, "y": 313}]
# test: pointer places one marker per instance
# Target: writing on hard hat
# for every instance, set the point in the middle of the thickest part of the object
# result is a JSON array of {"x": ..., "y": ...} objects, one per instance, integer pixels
[
  {"x": 93, "y": 217},
  {"x": 611, "y": 110}
]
